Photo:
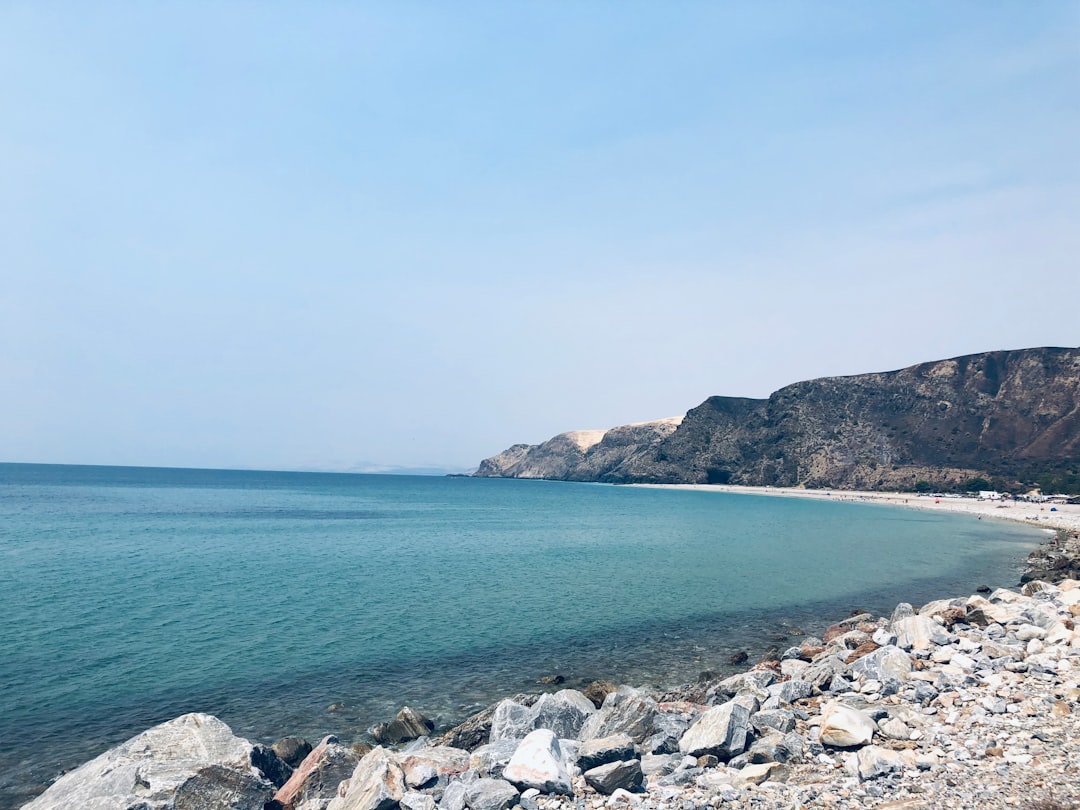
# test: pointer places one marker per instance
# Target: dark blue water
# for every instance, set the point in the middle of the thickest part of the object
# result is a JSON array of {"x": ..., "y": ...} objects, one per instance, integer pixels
[{"x": 132, "y": 595}]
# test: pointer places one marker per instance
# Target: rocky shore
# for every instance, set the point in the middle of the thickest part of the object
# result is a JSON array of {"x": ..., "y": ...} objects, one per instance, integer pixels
[{"x": 959, "y": 703}]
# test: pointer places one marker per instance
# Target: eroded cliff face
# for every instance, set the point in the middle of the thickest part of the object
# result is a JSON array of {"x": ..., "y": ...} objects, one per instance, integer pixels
[
  {"x": 581, "y": 455},
  {"x": 1007, "y": 415}
]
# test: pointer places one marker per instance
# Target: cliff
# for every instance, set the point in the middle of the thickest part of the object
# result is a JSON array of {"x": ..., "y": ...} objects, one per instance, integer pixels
[{"x": 1005, "y": 415}]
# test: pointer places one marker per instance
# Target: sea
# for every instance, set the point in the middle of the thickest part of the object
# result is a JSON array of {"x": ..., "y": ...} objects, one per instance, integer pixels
[{"x": 307, "y": 604}]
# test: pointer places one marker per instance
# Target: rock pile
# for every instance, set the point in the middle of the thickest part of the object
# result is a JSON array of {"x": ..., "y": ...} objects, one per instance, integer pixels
[{"x": 962, "y": 703}]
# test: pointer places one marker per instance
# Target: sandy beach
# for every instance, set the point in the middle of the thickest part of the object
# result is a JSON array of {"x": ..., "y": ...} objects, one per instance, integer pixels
[{"x": 1043, "y": 515}]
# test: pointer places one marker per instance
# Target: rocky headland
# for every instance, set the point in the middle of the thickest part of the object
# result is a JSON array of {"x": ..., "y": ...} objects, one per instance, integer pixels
[
  {"x": 960, "y": 703},
  {"x": 1009, "y": 417}
]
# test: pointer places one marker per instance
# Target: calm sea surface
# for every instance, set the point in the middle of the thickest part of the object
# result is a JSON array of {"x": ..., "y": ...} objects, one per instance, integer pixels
[{"x": 131, "y": 595}]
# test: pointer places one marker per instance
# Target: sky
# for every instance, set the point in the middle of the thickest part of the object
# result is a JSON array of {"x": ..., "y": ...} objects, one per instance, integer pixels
[{"x": 352, "y": 235}]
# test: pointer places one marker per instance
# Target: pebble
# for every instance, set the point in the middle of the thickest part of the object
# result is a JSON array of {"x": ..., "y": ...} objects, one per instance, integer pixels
[{"x": 972, "y": 729}]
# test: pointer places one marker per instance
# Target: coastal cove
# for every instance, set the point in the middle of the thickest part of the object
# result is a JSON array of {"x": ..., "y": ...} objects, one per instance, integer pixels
[{"x": 136, "y": 595}]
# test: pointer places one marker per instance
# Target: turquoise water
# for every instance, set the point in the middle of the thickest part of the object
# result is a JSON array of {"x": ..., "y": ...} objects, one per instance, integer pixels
[{"x": 132, "y": 595}]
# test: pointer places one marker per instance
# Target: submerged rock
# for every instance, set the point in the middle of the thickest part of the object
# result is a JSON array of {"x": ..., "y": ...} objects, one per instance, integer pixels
[
  {"x": 407, "y": 725},
  {"x": 597, "y": 691},
  {"x": 291, "y": 750}
]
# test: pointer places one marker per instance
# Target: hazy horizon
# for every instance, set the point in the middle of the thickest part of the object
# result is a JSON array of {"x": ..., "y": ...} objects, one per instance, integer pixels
[{"x": 400, "y": 235}]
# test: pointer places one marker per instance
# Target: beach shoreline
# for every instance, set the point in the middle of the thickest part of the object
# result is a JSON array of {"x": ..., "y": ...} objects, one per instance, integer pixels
[
  {"x": 971, "y": 705},
  {"x": 1044, "y": 516}
]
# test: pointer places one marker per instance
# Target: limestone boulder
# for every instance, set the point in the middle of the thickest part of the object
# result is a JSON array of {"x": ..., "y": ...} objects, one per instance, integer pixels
[
  {"x": 377, "y": 783},
  {"x": 791, "y": 690},
  {"x": 823, "y": 670},
  {"x": 601, "y": 751},
  {"x": 455, "y": 795},
  {"x": 919, "y": 632},
  {"x": 538, "y": 763},
  {"x": 218, "y": 786},
  {"x": 417, "y": 801},
  {"x": 490, "y": 760},
  {"x": 889, "y": 665},
  {"x": 149, "y": 770},
  {"x": 668, "y": 728},
  {"x": 874, "y": 761},
  {"x": 780, "y": 720},
  {"x": 562, "y": 713},
  {"x": 755, "y": 680},
  {"x": 490, "y": 794},
  {"x": 983, "y": 612},
  {"x": 773, "y": 746},
  {"x": 757, "y": 773},
  {"x": 720, "y": 731},
  {"x": 511, "y": 721},
  {"x": 428, "y": 764},
  {"x": 622, "y": 713}
]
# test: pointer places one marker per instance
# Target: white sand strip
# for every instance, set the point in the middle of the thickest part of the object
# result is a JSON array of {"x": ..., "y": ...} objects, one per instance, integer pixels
[{"x": 1047, "y": 516}]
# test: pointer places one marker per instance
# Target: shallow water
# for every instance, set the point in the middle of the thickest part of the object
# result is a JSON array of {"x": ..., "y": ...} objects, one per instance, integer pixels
[{"x": 133, "y": 595}]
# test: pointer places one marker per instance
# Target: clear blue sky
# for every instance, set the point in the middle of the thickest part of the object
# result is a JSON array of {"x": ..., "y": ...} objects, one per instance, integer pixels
[{"x": 330, "y": 234}]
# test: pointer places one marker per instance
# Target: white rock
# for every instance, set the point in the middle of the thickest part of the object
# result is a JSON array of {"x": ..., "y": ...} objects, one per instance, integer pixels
[
  {"x": 762, "y": 772},
  {"x": 962, "y": 662},
  {"x": 1026, "y": 632},
  {"x": 995, "y": 612},
  {"x": 883, "y": 637},
  {"x": 942, "y": 655},
  {"x": 967, "y": 645},
  {"x": 721, "y": 730},
  {"x": 918, "y": 633},
  {"x": 1058, "y": 634},
  {"x": 874, "y": 761},
  {"x": 378, "y": 782},
  {"x": 417, "y": 801},
  {"x": 1070, "y": 597},
  {"x": 793, "y": 667},
  {"x": 147, "y": 769},
  {"x": 895, "y": 729},
  {"x": 844, "y": 726},
  {"x": 538, "y": 763}
]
